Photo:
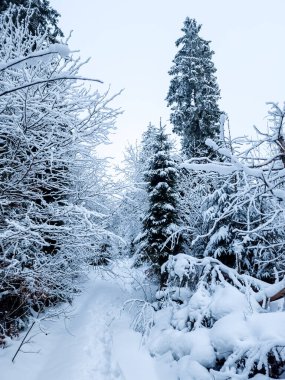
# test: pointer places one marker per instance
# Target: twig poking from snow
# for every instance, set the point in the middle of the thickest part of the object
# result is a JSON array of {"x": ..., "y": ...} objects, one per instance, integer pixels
[{"x": 23, "y": 341}]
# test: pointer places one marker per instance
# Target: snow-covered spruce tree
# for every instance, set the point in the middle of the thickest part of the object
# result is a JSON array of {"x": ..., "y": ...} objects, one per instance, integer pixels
[
  {"x": 50, "y": 127},
  {"x": 43, "y": 19},
  {"x": 194, "y": 93},
  {"x": 159, "y": 237},
  {"x": 148, "y": 146}
]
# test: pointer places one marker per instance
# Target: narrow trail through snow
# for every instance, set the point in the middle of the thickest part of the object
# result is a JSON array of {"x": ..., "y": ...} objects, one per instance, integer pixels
[{"x": 95, "y": 343}]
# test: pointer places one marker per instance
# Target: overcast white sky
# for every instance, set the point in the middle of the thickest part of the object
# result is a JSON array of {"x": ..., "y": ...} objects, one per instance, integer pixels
[{"x": 132, "y": 44}]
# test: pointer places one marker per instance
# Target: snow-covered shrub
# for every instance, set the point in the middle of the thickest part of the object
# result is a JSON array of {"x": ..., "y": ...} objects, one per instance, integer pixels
[{"x": 217, "y": 321}]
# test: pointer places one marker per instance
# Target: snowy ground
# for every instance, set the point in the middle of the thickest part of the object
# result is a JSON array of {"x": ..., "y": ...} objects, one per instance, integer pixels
[
  {"x": 94, "y": 339},
  {"x": 93, "y": 342}
]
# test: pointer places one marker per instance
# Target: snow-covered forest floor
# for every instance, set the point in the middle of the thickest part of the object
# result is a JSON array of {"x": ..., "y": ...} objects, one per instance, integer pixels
[
  {"x": 92, "y": 339},
  {"x": 99, "y": 336}
]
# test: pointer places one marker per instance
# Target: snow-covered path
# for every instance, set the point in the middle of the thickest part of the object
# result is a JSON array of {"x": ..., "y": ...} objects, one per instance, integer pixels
[
  {"x": 95, "y": 343},
  {"x": 86, "y": 351}
]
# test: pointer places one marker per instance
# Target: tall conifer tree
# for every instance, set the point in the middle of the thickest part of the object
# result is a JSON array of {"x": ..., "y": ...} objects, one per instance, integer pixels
[{"x": 194, "y": 93}]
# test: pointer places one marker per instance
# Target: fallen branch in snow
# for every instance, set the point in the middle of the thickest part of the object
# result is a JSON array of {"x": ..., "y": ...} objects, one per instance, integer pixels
[
  {"x": 182, "y": 267},
  {"x": 182, "y": 270},
  {"x": 271, "y": 293}
]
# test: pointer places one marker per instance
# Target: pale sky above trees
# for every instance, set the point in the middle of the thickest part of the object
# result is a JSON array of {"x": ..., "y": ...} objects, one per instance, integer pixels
[{"x": 132, "y": 44}]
